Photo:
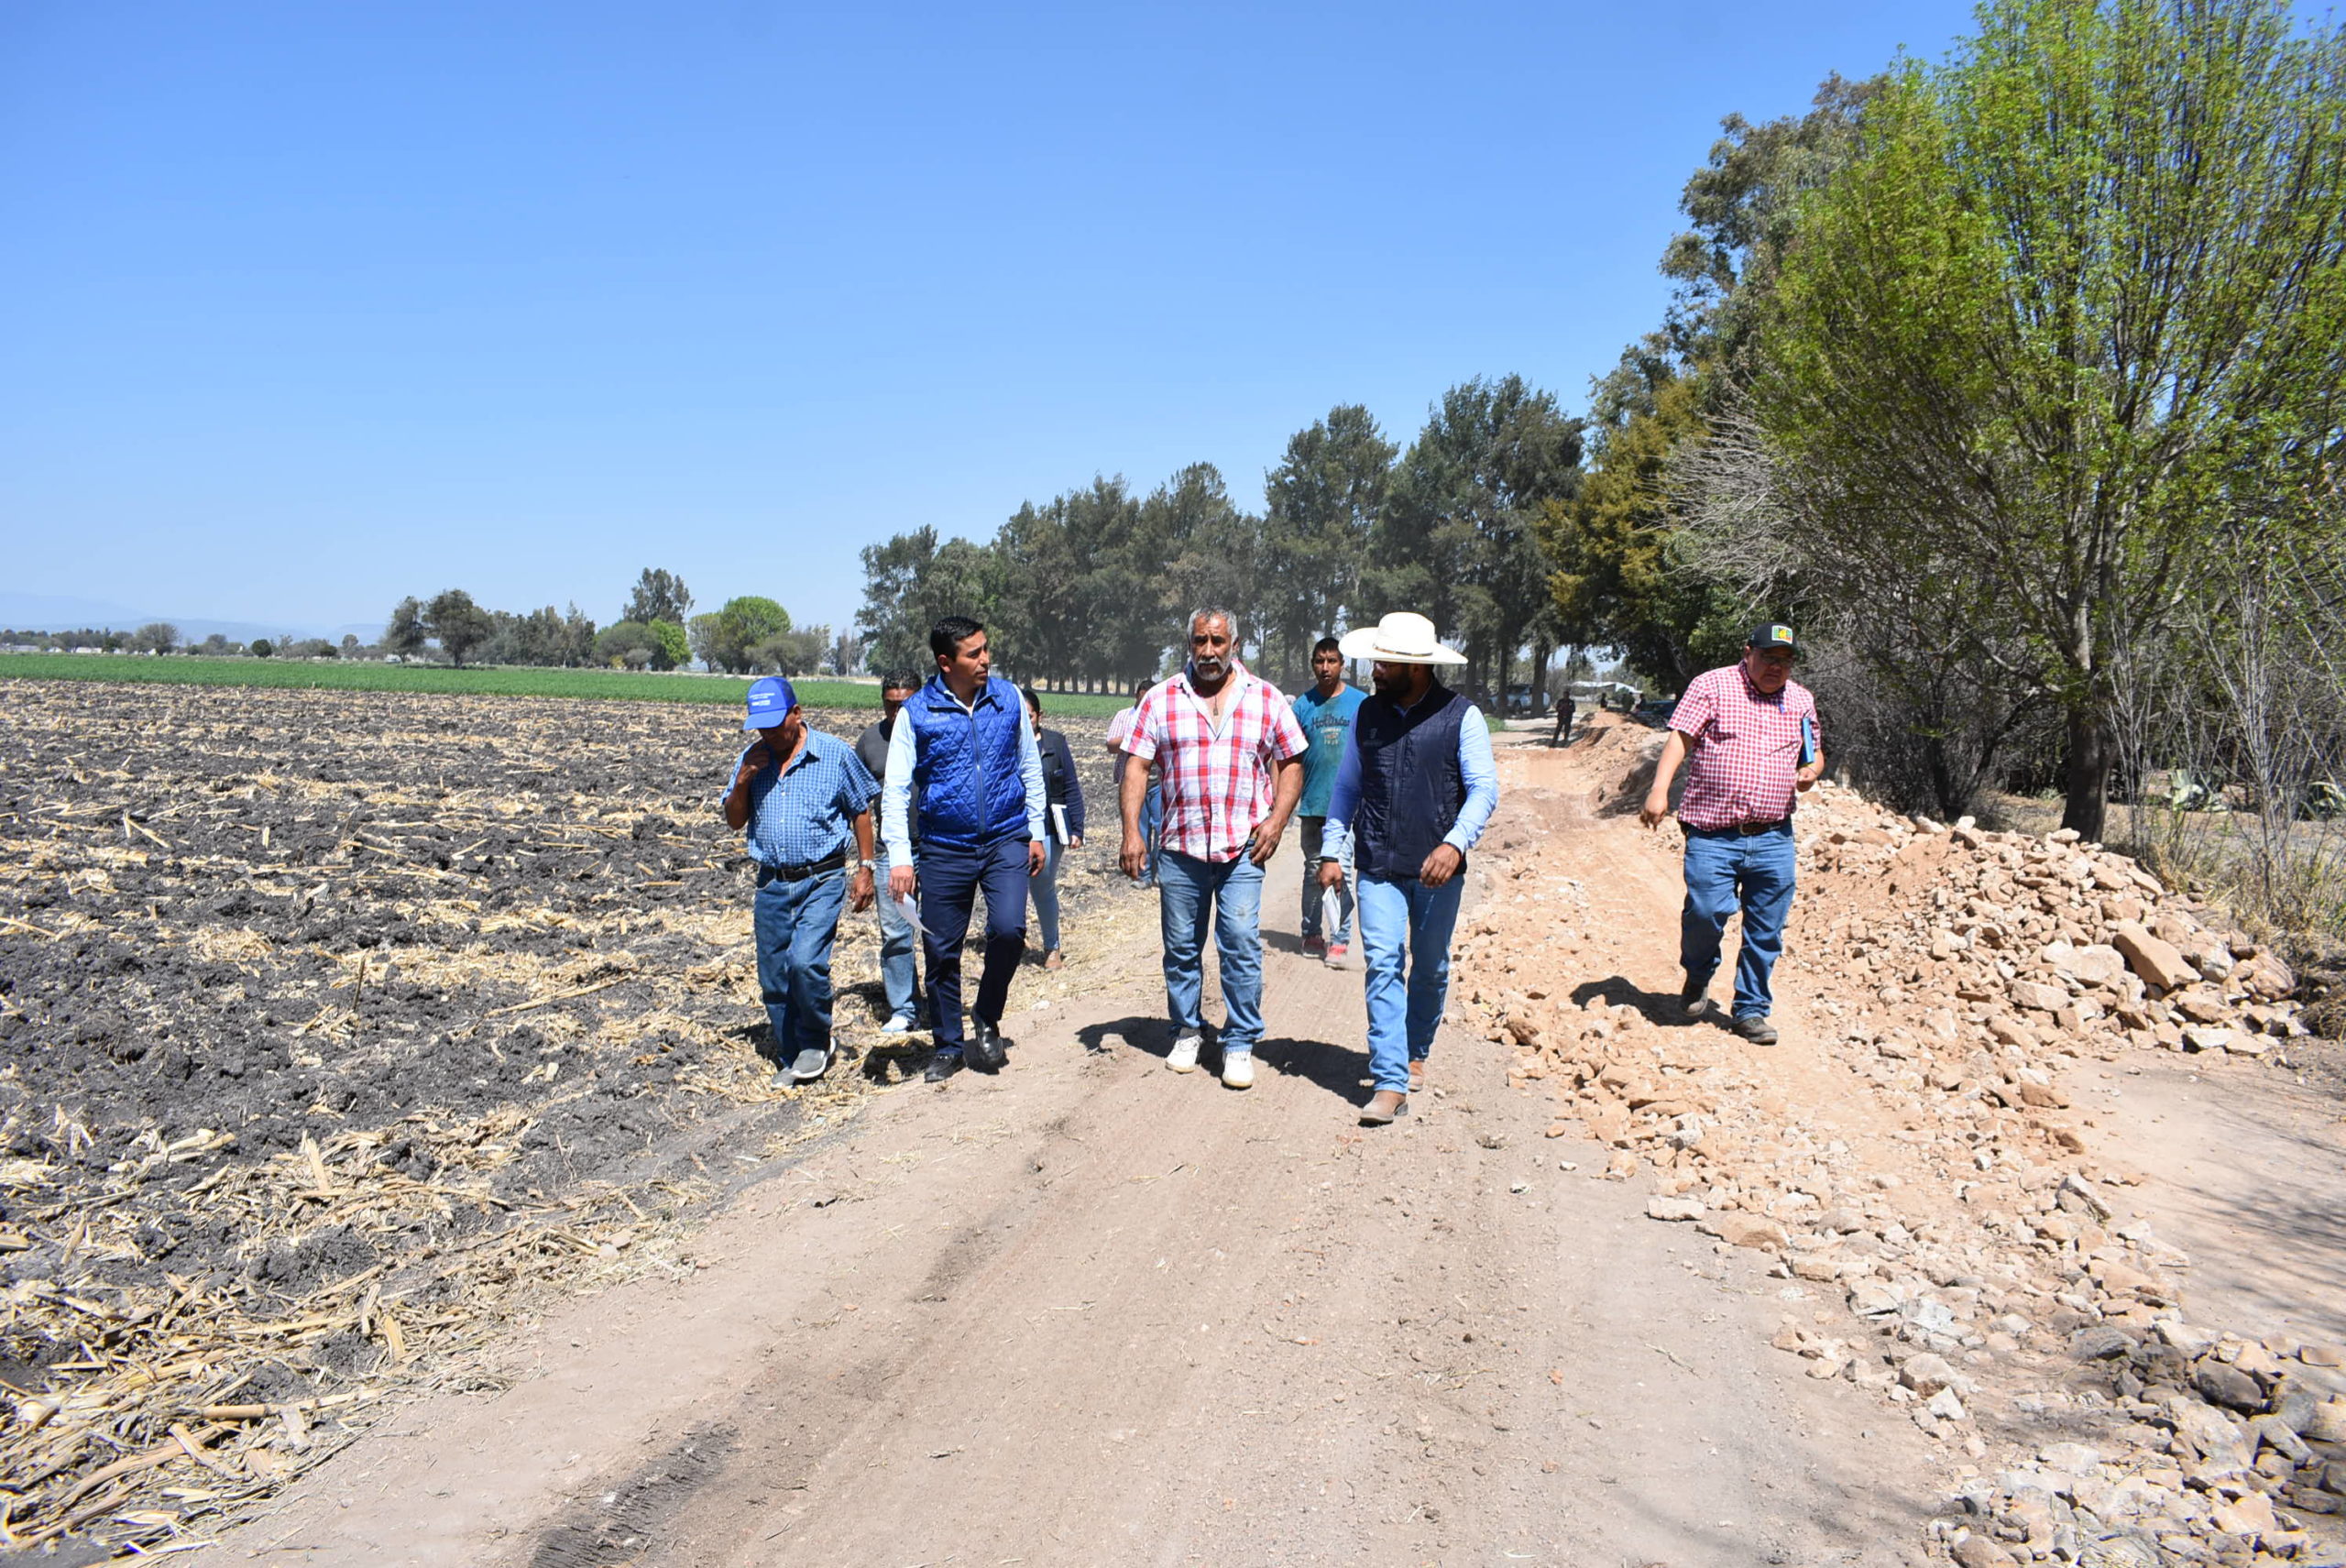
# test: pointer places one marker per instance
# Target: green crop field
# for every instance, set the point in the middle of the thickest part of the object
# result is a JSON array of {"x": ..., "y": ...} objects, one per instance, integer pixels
[{"x": 619, "y": 685}]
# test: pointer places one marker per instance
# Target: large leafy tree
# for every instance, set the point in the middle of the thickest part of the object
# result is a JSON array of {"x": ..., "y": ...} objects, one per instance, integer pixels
[
  {"x": 545, "y": 636},
  {"x": 1322, "y": 502},
  {"x": 727, "y": 637},
  {"x": 659, "y": 595},
  {"x": 1457, "y": 537},
  {"x": 1620, "y": 578},
  {"x": 1211, "y": 549},
  {"x": 460, "y": 625},
  {"x": 404, "y": 632},
  {"x": 911, "y": 582},
  {"x": 2079, "y": 305},
  {"x": 1081, "y": 586},
  {"x": 1624, "y": 573}
]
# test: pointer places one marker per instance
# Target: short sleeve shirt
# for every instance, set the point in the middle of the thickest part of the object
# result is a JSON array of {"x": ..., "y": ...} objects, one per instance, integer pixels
[
  {"x": 1216, "y": 782},
  {"x": 1324, "y": 726},
  {"x": 1120, "y": 730},
  {"x": 807, "y": 814},
  {"x": 1743, "y": 749}
]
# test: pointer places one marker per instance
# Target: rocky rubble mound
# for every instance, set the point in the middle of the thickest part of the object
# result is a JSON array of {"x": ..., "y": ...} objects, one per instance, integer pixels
[
  {"x": 2040, "y": 943},
  {"x": 1973, "y": 1263}
]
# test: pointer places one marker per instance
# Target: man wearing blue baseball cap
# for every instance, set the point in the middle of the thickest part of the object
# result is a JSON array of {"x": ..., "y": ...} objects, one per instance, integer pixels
[{"x": 805, "y": 799}]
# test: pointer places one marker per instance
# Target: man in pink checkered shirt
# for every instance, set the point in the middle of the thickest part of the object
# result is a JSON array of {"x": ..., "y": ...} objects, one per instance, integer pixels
[
  {"x": 1229, "y": 754},
  {"x": 1752, "y": 734}
]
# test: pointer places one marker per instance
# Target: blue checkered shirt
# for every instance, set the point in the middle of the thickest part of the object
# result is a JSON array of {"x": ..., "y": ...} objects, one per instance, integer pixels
[{"x": 809, "y": 814}]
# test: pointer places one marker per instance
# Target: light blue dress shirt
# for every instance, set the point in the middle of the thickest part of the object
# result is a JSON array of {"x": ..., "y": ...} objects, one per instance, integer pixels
[
  {"x": 807, "y": 814},
  {"x": 896, "y": 789}
]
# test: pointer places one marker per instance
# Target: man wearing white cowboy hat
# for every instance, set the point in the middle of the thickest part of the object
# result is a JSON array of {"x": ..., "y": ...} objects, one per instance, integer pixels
[{"x": 1414, "y": 791}]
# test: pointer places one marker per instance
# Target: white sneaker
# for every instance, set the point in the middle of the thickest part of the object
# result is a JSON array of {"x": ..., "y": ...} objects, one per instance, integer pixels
[
  {"x": 1183, "y": 1057},
  {"x": 1238, "y": 1069},
  {"x": 899, "y": 1025}
]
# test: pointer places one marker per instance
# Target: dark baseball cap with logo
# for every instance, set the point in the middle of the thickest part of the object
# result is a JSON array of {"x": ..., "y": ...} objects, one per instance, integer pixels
[{"x": 1773, "y": 634}]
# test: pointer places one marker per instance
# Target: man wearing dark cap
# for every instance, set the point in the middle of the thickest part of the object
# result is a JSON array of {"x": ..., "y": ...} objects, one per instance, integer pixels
[
  {"x": 1749, "y": 734},
  {"x": 803, "y": 800}
]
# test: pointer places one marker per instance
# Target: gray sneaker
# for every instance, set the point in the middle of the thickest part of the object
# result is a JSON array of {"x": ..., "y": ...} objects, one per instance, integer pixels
[
  {"x": 1755, "y": 1027},
  {"x": 811, "y": 1064}
]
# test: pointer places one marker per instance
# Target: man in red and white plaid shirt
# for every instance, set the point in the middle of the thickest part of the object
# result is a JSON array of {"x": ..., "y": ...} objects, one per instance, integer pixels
[
  {"x": 1230, "y": 755},
  {"x": 1751, "y": 730}
]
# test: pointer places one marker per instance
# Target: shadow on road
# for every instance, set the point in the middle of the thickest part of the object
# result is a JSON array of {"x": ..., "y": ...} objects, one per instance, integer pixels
[
  {"x": 1151, "y": 1035},
  {"x": 1658, "y": 1007},
  {"x": 1336, "y": 1069}
]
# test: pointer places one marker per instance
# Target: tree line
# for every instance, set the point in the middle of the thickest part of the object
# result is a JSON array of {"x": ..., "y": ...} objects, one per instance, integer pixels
[
  {"x": 749, "y": 635},
  {"x": 2017, "y": 383},
  {"x": 158, "y": 637},
  {"x": 1089, "y": 588}
]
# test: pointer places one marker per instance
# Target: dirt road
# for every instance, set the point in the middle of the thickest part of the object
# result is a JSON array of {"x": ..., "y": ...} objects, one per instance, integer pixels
[{"x": 1095, "y": 1311}]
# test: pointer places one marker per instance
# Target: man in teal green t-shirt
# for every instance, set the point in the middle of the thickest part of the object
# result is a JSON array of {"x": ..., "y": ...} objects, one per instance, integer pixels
[{"x": 1326, "y": 714}]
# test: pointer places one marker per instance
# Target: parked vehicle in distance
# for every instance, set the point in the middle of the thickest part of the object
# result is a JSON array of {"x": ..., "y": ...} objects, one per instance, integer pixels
[
  {"x": 1524, "y": 702},
  {"x": 1612, "y": 696},
  {"x": 1654, "y": 712}
]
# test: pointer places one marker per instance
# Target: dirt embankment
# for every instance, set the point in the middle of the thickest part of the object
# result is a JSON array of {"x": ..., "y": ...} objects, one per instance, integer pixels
[{"x": 1947, "y": 1175}]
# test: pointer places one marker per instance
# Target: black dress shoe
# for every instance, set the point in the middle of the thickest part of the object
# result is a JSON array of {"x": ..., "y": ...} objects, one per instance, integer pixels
[
  {"x": 985, "y": 1046},
  {"x": 941, "y": 1066}
]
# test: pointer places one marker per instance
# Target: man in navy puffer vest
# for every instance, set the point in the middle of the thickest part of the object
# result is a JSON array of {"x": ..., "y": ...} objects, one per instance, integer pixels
[
  {"x": 964, "y": 749},
  {"x": 1413, "y": 793}
]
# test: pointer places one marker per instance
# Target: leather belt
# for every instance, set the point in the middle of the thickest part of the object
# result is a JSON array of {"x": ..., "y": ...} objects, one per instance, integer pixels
[
  {"x": 831, "y": 862},
  {"x": 1745, "y": 829}
]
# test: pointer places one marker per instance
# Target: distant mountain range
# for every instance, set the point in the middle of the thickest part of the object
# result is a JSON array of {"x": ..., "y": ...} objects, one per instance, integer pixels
[{"x": 51, "y": 612}]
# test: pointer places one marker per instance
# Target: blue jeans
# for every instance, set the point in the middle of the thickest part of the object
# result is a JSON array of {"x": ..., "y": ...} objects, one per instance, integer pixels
[
  {"x": 1045, "y": 891},
  {"x": 794, "y": 923},
  {"x": 1726, "y": 870},
  {"x": 1404, "y": 1014},
  {"x": 1187, "y": 890},
  {"x": 1313, "y": 828},
  {"x": 950, "y": 881},
  {"x": 899, "y": 969},
  {"x": 1152, "y": 827}
]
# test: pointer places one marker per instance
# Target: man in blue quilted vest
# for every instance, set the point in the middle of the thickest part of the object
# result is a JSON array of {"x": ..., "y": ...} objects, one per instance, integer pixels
[
  {"x": 963, "y": 763},
  {"x": 1414, "y": 789}
]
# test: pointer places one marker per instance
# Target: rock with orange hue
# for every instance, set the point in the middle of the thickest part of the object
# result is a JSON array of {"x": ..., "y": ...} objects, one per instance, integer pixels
[{"x": 2156, "y": 960}]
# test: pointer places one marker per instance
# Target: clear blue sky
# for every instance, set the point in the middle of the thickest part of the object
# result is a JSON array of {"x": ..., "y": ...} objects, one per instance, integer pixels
[{"x": 306, "y": 307}]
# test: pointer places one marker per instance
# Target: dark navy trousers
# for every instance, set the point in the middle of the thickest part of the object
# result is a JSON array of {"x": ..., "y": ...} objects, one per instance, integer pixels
[{"x": 950, "y": 880}]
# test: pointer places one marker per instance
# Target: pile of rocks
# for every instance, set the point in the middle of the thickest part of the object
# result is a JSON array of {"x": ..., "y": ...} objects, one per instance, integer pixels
[
  {"x": 2032, "y": 941},
  {"x": 1988, "y": 1283}
]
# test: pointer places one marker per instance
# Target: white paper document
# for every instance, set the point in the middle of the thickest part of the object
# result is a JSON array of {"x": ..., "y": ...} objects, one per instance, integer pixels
[{"x": 911, "y": 912}]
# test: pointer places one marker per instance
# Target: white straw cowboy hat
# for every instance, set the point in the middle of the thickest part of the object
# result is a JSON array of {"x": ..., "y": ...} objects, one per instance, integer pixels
[{"x": 1400, "y": 638}]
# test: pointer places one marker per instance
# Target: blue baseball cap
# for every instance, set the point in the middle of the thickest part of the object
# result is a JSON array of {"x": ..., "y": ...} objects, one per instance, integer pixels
[{"x": 771, "y": 700}]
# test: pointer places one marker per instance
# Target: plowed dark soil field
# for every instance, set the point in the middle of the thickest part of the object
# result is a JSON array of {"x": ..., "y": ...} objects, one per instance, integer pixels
[{"x": 331, "y": 1025}]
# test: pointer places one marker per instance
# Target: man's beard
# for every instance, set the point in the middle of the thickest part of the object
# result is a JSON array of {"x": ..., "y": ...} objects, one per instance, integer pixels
[
  {"x": 1210, "y": 667},
  {"x": 1394, "y": 685}
]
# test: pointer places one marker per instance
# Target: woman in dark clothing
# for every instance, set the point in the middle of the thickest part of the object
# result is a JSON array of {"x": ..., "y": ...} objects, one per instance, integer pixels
[{"x": 1062, "y": 825}]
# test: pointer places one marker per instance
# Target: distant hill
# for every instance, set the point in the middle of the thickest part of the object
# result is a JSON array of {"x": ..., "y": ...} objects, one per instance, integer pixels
[{"x": 54, "y": 612}]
